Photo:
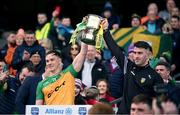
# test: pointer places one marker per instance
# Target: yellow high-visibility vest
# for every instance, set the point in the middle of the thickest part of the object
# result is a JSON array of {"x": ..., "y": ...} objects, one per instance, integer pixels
[{"x": 43, "y": 33}]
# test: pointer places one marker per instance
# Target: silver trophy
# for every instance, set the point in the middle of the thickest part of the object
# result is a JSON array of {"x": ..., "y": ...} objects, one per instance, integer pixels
[{"x": 92, "y": 25}]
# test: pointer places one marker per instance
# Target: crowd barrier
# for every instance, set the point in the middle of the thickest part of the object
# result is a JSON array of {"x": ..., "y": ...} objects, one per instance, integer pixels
[{"x": 57, "y": 109}]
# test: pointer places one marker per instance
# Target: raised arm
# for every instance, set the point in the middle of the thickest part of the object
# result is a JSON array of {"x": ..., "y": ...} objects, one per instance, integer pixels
[
  {"x": 114, "y": 48},
  {"x": 79, "y": 59}
]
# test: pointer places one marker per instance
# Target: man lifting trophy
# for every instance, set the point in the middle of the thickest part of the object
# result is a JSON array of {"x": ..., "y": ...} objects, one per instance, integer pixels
[{"x": 89, "y": 31}]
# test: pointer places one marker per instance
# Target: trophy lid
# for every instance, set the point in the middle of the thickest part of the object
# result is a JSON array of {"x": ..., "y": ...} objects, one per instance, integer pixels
[{"x": 93, "y": 21}]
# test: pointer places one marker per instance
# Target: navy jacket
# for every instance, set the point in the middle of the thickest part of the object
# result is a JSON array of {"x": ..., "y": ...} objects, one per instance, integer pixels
[
  {"x": 115, "y": 79},
  {"x": 27, "y": 94},
  {"x": 17, "y": 61},
  {"x": 7, "y": 98},
  {"x": 3, "y": 51}
]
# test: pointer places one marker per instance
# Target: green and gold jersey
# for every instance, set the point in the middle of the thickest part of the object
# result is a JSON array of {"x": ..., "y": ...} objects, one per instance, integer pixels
[{"x": 59, "y": 89}]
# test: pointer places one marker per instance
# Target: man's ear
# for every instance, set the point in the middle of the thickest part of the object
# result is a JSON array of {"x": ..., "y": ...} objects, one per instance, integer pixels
[
  {"x": 150, "y": 54},
  {"x": 168, "y": 72},
  {"x": 60, "y": 62}
]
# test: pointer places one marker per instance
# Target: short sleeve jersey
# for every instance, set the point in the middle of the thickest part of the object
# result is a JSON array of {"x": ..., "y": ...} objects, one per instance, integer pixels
[{"x": 58, "y": 89}]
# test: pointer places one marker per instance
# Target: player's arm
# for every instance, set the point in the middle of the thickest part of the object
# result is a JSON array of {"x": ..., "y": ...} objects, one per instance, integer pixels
[{"x": 79, "y": 59}]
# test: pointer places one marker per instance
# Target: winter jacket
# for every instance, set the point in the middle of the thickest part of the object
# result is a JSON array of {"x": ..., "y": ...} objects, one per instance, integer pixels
[{"x": 18, "y": 63}]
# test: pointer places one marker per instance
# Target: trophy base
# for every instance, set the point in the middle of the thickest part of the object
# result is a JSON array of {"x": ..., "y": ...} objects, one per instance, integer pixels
[{"x": 88, "y": 41}]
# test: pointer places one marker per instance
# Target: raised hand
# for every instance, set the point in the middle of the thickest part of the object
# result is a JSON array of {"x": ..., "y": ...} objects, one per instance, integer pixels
[{"x": 105, "y": 24}]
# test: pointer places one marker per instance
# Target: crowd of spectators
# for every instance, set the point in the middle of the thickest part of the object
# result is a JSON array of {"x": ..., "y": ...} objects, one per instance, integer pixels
[{"x": 33, "y": 62}]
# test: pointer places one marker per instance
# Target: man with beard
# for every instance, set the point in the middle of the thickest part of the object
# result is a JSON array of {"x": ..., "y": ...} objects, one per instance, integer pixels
[
  {"x": 43, "y": 27},
  {"x": 23, "y": 52},
  {"x": 6, "y": 53},
  {"x": 139, "y": 77}
]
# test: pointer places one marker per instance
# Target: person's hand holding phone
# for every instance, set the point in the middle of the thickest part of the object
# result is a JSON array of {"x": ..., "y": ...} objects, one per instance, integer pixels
[{"x": 3, "y": 76}]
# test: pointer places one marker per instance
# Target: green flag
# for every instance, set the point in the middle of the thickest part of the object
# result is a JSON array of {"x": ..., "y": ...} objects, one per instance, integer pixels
[
  {"x": 125, "y": 36},
  {"x": 160, "y": 43}
]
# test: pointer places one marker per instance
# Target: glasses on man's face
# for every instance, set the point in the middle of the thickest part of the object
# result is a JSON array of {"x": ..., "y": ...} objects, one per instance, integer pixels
[{"x": 74, "y": 48}]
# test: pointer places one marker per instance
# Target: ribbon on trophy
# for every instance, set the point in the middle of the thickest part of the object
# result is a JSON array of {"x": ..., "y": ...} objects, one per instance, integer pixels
[
  {"x": 79, "y": 27},
  {"x": 99, "y": 39}
]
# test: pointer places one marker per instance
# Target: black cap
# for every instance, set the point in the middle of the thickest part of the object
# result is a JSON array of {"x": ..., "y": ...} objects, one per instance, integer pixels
[{"x": 35, "y": 52}]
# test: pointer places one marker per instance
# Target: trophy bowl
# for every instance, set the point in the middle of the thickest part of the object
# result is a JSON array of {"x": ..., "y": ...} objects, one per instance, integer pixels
[{"x": 92, "y": 25}]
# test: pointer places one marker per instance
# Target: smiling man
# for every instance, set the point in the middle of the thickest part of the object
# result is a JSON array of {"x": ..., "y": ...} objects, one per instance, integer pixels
[
  {"x": 164, "y": 69},
  {"x": 139, "y": 77},
  {"x": 23, "y": 52},
  {"x": 58, "y": 86}
]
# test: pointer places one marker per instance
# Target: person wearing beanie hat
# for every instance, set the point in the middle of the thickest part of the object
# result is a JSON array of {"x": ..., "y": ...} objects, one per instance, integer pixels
[
  {"x": 131, "y": 52},
  {"x": 107, "y": 7},
  {"x": 79, "y": 85},
  {"x": 79, "y": 99},
  {"x": 22, "y": 53},
  {"x": 136, "y": 16},
  {"x": 135, "y": 20},
  {"x": 34, "y": 52},
  {"x": 20, "y": 32},
  {"x": 20, "y": 37},
  {"x": 131, "y": 48},
  {"x": 108, "y": 4},
  {"x": 113, "y": 19},
  {"x": 35, "y": 59}
]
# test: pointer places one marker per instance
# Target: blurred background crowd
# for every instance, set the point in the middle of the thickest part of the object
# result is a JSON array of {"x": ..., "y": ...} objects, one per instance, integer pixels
[{"x": 31, "y": 28}]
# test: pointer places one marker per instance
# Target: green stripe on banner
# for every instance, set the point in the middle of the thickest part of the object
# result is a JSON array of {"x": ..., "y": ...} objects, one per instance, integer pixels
[
  {"x": 126, "y": 34},
  {"x": 115, "y": 31},
  {"x": 125, "y": 47},
  {"x": 161, "y": 43},
  {"x": 165, "y": 44}
]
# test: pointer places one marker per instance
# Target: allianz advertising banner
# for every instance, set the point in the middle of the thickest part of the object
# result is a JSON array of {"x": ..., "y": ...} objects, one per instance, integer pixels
[{"x": 57, "y": 109}]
